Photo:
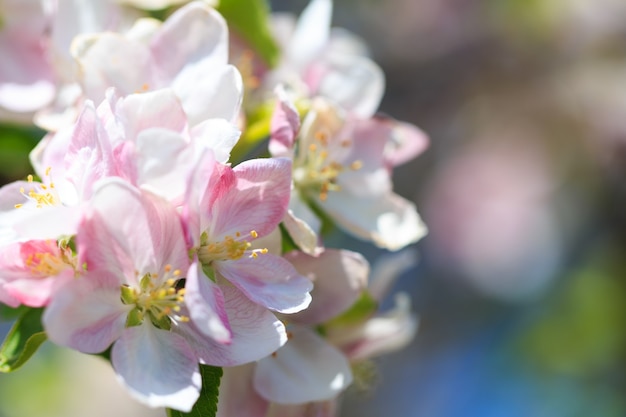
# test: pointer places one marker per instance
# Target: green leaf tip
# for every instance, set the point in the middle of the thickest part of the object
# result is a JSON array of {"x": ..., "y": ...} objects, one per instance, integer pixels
[{"x": 22, "y": 341}]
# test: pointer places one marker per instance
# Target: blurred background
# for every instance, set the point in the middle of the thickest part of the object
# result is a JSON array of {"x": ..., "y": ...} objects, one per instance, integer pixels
[{"x": 521, "y": 283}]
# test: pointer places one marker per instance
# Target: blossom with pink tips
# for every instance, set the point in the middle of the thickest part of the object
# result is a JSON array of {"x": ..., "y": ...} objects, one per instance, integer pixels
[
  {"x": 226, "y": 210},
  {"x": 30, "y": 272},
  {"x": 133, "y": 294},
  {"x": 342, "y": 165}
]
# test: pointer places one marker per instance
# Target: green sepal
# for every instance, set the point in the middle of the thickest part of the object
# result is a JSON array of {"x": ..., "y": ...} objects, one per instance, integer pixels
[
  {"x": 250, "y": 19},
  {"x": 209, "y": 272},
  {"x": 361, "y": 310},
  {"x": 163, "y": 323},
  {"x": 206, "y": 406},
  {"x": 145, "y": 282},
  {"x": 128, "y": 295},
  {"x": 22, "y": 341},
  {"x": 134, "y": 318}
]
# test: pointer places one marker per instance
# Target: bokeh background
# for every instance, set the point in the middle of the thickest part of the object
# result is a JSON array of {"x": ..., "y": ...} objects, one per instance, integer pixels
[{"x": 521, "y": 283}]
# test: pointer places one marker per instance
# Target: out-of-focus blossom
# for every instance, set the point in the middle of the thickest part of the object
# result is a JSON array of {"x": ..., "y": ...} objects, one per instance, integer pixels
[
  {"x": 491, "y": 220},
  {"x": 27, "y": 82},
  {"x": 187, "y": 53},
  {"x": 41, "y": 74},
  {"x": 342, "y": 165}
]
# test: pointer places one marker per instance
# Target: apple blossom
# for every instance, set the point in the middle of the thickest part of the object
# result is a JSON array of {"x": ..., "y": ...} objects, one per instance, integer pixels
[
  {"x": 139, "y": 293},
  {"x": 31, "y": 271},
  {"x": 226, "y": 209},
  {"x": 307, "y": 369},
  {"x": 319, "y": 61},
  {"x": 342, "y": 166},
  {"x": 188, "y": 53}
]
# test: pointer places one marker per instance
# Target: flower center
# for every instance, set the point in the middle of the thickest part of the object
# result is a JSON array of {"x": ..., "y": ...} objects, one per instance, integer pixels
[
  {"x": 229, "y": 248},
  {"x": 158, "y": 298},
  {"x": 317, "y": 171},
  {"x": 41, "y": 193},
  {"x": 50, "y": 259}
]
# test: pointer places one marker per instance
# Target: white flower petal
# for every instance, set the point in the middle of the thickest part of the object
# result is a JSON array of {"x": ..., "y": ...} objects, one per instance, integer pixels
[
  {"x": 306, "y": 369},
  {"x": 390, "y": 221},
  {"x": 158, "y": 367}
]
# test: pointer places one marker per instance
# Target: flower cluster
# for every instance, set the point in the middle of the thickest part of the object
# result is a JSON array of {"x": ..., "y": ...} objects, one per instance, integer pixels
[{"x": 147, "y": 234}]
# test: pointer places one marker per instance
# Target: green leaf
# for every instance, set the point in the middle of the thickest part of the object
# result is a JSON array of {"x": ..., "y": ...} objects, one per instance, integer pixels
[
  {"x": 206, "y": 406},
  {"x": 23, "y": 340},
  {"x": 16, "y": 143},
  {"x": 9, "y": 313},
  {"x": 250, "y": 18}
]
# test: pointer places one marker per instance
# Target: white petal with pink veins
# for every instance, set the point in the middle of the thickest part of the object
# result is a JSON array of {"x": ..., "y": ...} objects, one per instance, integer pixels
[
  {"x": 256, "y": 333},
  {"x": 205, "y": 302},
  {"x": 158, "y": 367},
  {"x": 270, "y": 281}
]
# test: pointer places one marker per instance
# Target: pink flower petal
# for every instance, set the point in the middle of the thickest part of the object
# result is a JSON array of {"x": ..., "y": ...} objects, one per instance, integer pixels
[
  {"x": 256, "y": 333},
  {"x": 158, "y": 367},
  {"x": 270, "y": 281},
  {"x": 284, "y": 125},
  {"x": 145, "y": 226},
  {"x": 339, "y": 276},
  {"x": 205, "y": 302},
  {"x": 379, "y": 335},
  {"x": 257, "y": 200},
  {"x": 236, "y": 385},
  {"x": 87, "y": 316}
]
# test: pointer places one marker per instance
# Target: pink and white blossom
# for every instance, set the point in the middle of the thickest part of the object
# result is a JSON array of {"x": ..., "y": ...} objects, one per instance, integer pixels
[
  {"x": 225, "y": 210},
  {"x": 30, "y": 272},
  {"x": 307, "y": 369},
  {"x": 188, "y": 53},
  {"x": 342, "y": 165},
  {"x": 134, "y": 295}
]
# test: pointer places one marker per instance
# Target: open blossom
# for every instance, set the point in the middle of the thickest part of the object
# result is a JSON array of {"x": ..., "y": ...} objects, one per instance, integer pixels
[
  {"x": 306, "y": 376},
  {"x": 342, "y": 165},
  {"x": 320, "y": 61},
  {"x": 142, "y": 138},
  {"x": 30, "y": 272},
  {"x": 226, "y": 209},
  {"x": 135, "y": 294},
  {"x": 308, "y": 369},
  {"x": 188, "y": 53}
]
